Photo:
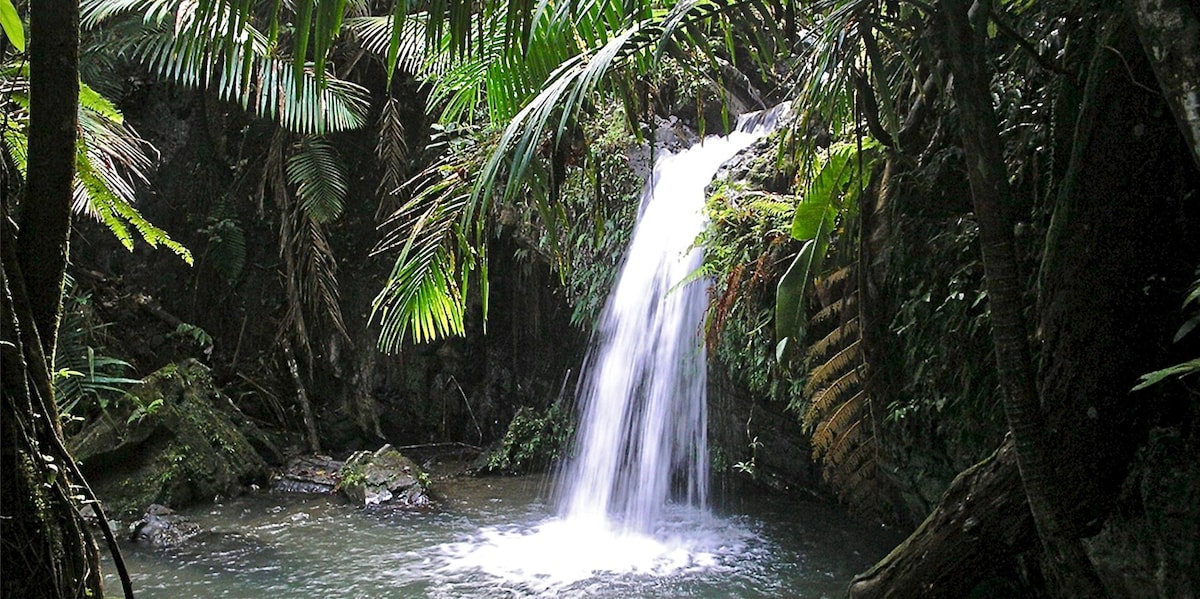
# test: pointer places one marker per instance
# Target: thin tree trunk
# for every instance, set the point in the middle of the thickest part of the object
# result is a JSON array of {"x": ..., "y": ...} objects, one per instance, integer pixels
[
  {"x": 1071, "y": 573},
  {"x": 47, "y": 550},
  {"x": 1170, "y": 33},
  {"x": 310, "y": 421},
  {"x": 53, "y": 124}
]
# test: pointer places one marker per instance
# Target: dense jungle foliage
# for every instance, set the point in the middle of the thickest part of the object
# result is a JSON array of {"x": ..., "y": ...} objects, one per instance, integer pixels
[{"x": 958, "y": 290}]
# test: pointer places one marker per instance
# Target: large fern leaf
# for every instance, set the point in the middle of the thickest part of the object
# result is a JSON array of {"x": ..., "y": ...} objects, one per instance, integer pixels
[{"x": 316, "y": 171}]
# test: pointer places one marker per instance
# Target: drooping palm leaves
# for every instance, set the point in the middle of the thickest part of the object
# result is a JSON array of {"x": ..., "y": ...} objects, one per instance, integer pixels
[
  {"x": 425, "y": 294},
  {"x": 220, "y": 49},
  {"x": 391, "y": 150},
  {"x": 219, "y": 46},
  {"x": 110, "y": 160},
  {"x": 310, "y": 271},
  {"x": 532, "y": 95}
]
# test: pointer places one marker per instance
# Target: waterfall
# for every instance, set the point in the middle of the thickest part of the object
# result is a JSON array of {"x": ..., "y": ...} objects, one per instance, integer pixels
[{"x": 642, "y": 438}]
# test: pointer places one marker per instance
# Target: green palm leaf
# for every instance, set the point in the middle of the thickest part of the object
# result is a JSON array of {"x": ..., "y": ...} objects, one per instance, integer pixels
[
  {"x": 319, "y": 176},
  {"x": 223, "y": 51},
  {"x": 437, "y": 247}
]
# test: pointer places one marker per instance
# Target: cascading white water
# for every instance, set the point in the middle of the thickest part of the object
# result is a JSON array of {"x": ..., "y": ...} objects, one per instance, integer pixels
[
  {"x": 642, "y": 440},
  {"x": 633, "y": 498}
]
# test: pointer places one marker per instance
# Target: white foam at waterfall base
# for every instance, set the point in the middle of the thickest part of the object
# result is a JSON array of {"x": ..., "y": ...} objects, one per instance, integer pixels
[
  {"x": 634, "y": 496},
  {"x": 559, "y": 556}
]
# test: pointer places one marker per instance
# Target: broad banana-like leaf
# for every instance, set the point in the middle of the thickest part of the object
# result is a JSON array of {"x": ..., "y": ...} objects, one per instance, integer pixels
[
  {"x": 831, "y": 194},
  {"x": 790, "y": 309},
  {"x": 10, "y": 21}
]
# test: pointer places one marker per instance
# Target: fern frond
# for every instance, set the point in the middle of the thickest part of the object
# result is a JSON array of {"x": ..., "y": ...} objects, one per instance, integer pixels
[
  {"x": 832, "y": 284},
  {"x": 832, "y": 343},
  {"x": 845, "y": 444},
  {"x": 834, "y": 313},
  {"x": 842, "y": 362},
  {"x": 318, "y": 175},
  {"x": 838, "y": 422},
  {"x": 118, "y": 214},
  {"x": 837, "y": 393},
  {"x": 117, "y": 156},
  {"x": 855, "y": 480},
  {"x": 226, "y": 241},
  {"x": 769, "y": 206}
]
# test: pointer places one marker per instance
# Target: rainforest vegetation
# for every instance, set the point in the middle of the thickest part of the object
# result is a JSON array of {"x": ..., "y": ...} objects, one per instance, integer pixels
[{"x": 957, "y": 292}]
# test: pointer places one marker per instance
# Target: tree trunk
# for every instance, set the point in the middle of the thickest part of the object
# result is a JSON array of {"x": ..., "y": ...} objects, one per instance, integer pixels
[
  {"x": 47, "y": 551},
  {"x": 1170, "y": 33},
  {"x": 1119, "y": 253},
  {"x": 1071, "y": 572},
  {"x": 982, "y": 521},
  {"x": 53, "y": 123}
]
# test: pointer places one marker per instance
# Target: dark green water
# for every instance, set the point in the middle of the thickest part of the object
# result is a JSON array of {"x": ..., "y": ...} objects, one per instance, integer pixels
[{"x": 497, "y": 537}]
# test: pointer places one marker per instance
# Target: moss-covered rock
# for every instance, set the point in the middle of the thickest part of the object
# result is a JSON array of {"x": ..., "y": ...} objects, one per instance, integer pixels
[
  {"x": 175, "y": 444},
  {"x": 384, "y": 477}
]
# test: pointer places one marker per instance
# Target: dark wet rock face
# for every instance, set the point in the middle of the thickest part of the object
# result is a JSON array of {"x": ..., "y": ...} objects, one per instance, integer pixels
[{"x": 384, "y": 477}]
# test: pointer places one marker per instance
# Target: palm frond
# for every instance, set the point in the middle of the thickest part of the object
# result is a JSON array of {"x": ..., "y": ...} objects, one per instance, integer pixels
[
  {"x": 413, "y": 56},
  {"x": 317, "y": 173},
  {"x": 310, "y": 270},
  {"x": 391, "y": 150},
  {"x": 425, "y": 294},
  {"x": 563, "y": 95},
  {"x": 221, "y": 50}
]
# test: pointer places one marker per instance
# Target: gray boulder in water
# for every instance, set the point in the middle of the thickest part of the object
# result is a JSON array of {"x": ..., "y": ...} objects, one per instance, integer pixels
[
  {"x": 308, "y": 474},
  {"x": 384, "y": 477},
  {"x": 161, "y": 527}
]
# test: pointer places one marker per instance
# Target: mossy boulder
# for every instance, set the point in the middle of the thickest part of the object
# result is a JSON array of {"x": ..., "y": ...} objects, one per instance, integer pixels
[
  {"x": 174, "y": 442},
  {"x": 384, "y": 477}
]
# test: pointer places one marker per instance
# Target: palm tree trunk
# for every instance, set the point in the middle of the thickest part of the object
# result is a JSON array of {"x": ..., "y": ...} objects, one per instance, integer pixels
[{"x": 1071, "y": 572}]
